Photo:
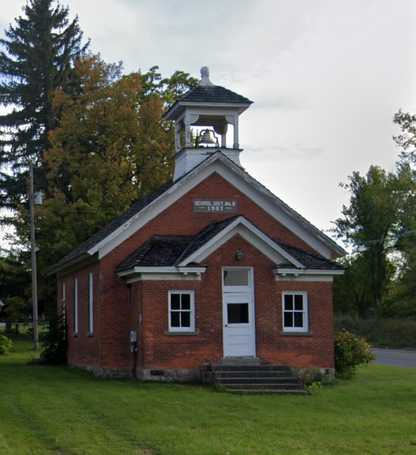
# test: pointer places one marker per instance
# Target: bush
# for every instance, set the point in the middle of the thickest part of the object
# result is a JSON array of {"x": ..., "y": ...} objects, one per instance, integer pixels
[
  {"x": 350, "y": 351},
  {"x": 308, "y": 376},
  {"x": 5, "y": 345},
  {"x": 54, "y": 342}
]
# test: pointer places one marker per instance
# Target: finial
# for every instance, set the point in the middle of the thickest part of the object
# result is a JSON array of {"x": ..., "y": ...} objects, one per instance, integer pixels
[{"x": 205, "y": 76}]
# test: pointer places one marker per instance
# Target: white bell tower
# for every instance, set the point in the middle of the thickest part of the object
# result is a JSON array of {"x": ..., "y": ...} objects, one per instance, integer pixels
[{"x": 202, "y": 117}]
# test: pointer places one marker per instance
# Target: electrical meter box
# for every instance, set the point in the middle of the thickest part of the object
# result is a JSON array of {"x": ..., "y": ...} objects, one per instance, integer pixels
[{"x": 133, "y": 336}]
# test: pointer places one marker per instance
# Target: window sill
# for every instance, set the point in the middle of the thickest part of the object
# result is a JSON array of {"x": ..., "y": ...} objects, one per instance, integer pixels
[
  {"x": 90, "y": 334},
  {"x": 75, "y": 335},
  {"x": 182, "y": 334},
  {"x": 296, "y": 334}
]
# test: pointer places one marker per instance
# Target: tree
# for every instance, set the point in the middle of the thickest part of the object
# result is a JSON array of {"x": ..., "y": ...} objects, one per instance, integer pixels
[
  {"x": 37, "y": 59},
  {"x": 370, "y": 227},
  {"x": 110, "y": 148}
]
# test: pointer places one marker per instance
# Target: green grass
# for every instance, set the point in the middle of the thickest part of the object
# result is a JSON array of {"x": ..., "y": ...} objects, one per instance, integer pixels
[{"x": 59, "y": 411}]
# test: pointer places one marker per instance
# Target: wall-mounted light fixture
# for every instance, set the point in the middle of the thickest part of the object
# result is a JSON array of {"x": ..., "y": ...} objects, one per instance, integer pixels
[{"x": 239, "y": 255}]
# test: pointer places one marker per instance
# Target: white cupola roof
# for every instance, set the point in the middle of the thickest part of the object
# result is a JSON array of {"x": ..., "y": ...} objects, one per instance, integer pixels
[{"x": 201, "y": 119}]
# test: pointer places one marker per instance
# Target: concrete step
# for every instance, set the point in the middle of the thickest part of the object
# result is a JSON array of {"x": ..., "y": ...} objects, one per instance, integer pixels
[
  {"x": 258, "y": 381},
  {"x": 267, "y": 392},
  {"x": 249, "y": 379},
  {"x": 241, "y": 367},
  {"x": 253, "y": 374}
]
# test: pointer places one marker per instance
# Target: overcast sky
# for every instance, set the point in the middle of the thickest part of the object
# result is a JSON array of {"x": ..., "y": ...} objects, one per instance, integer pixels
[{"x": 326, "y": 77}]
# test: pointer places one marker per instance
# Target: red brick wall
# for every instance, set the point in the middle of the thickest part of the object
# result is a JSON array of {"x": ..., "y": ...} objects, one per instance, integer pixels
[
  {"x": 119, "y": 305},
  {"x": 82, "y": 348},
  {"x": 159, "y": 351}
]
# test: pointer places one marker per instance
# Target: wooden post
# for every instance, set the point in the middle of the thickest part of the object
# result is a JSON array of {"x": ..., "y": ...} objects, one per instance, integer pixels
[{"x": 33, "y": 257}]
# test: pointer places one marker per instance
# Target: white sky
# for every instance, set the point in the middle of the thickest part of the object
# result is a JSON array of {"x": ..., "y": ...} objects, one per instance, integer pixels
[{"x": 326, "y": 77}]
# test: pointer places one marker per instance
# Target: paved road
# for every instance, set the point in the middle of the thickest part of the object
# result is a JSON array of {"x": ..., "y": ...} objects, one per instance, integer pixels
[{"x": 395, "y": 357}]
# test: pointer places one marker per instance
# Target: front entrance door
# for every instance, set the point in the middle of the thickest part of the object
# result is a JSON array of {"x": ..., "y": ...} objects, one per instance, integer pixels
[{"x": 238, "y": 315}]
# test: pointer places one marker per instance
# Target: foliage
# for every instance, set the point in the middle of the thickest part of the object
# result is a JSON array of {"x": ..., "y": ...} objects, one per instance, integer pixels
[
  {"x": 5, "y": 345},
  {"x": 380, "y": 332},
  {"x": 54, "y": 341},
  {"x": 15, "y": 284},
  {"x": 309, "y": 376},
  {"x": 350, "y": 352},
  {"x": 111, "y": 147},
  {"x": 369, "y": 225},
  {"x": 36, "y": 59}
]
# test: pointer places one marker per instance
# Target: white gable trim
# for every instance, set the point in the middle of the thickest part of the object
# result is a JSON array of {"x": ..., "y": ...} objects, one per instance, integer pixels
[
  {"x": 246, "y": 184},
  {"x": 252, "y": 235}
]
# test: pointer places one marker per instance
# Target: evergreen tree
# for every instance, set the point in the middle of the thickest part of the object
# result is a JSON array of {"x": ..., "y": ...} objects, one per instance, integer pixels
[{"x": 36, "y": 59}]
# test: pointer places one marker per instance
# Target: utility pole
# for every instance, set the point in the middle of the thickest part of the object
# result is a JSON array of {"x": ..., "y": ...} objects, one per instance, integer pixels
[{"x": 33, "y": 257}]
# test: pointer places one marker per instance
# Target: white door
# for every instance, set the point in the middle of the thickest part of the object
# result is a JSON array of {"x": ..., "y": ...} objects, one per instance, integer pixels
[
  {"x": 238, "y": 325},
  {"x": 238, "y": 313}
]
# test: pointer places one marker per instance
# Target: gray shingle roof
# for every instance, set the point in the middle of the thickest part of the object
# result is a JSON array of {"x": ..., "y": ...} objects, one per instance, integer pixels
[
  {"x": 169, "y": 250},
  {"x": 113, "y": 225},
  {"x": 309, "y": 260},
  {"x": 213, "y": 94},
  {"x": 158, "y": 251}
]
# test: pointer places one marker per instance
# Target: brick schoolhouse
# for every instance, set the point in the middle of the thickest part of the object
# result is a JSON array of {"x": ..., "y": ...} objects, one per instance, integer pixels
[{"x": 209, "y": 268}]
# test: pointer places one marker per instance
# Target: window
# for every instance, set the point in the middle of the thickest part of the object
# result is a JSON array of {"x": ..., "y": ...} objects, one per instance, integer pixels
[
  {"x": 63, "y": 308},
  {"x": 76, "y": 305},
  {"x": 236, "y": 277},
  {"x": 295, "y": 311},
  {"x": 181, "y": 311},
  {"x": 90, "y": 304}
]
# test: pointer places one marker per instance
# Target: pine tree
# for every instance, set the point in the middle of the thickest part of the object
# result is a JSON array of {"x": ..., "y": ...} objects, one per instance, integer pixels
[{"x": 37, "y": 58}]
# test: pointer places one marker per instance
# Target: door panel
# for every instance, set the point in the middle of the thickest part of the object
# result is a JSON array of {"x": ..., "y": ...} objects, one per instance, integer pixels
[{"x": 238, "y": 325}]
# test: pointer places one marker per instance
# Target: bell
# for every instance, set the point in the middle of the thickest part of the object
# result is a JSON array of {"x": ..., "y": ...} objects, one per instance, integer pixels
[{"x": 208, "y": 138}]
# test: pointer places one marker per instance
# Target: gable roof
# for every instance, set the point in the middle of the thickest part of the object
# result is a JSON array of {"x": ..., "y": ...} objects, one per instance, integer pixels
[
  {"x": 176, "y": 253},
  {"x": 151, "y": 205}
]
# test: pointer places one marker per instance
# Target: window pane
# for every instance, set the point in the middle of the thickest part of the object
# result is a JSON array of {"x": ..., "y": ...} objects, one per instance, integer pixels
[
  {"x": 288, "y": 302},
  {"x": 186, "y": 302},
  {"x": 236, "y": 277},
  {"x": 175, "y": 301},
  {"x": 299, "y": 302},
  {"x": 288, "y": 319},
  {"x": 298, "y": 319},
  {"x": 174, "y": 319},
  {"x": 185, "y": 319},
  {"x": 237, "y": 313}
]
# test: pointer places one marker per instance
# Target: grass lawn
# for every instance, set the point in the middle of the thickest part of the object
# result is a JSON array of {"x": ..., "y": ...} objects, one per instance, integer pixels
[{"x": 58, "y": 411}]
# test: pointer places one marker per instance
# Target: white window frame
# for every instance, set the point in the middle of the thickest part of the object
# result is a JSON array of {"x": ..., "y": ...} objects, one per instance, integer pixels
[
  {"x": 246, "y": 288},
  {"x": 76, "y": 305},
  {"x": 90, "y": 302},
  {"x": 305, "y": 327},
  {"x": 191, "y": 328}
]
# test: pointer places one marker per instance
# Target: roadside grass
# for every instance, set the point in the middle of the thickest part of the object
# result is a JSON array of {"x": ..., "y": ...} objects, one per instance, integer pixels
[{"x": 59, "y": 411}]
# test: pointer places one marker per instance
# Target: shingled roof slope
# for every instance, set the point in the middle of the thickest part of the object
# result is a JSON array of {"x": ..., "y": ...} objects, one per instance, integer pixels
[
  {"x": 309, "y": 260},
  {"x": 113, "y": 225},
  {"x": 213, "y": 94},
  {"x": 171, "y": 250},
  {"x": 205, "y": 236},
  {"x": 158, "y": 251}
]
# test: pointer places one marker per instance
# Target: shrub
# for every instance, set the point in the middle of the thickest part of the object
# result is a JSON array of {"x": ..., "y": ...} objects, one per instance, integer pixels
[
  {"x": 5, "y": 345},
  {"x": 308, "y": 376},
  {"x": 54, "y": 342},
  {"x": 350, "y": 351}
]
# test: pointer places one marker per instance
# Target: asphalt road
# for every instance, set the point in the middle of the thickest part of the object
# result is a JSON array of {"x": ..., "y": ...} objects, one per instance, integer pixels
[{"x": 395, "y": 357}]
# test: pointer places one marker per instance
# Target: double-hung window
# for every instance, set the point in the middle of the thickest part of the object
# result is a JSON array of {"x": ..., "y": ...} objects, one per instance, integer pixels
[
  {"x": 76, "y": 305},
  {"x": 295, "y": 311},
  {"x": 90, "y": 303},
  {"x": 181, "y": 311}
]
